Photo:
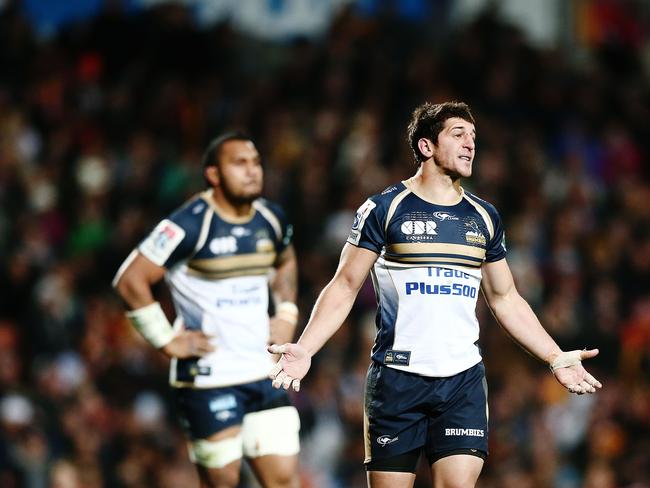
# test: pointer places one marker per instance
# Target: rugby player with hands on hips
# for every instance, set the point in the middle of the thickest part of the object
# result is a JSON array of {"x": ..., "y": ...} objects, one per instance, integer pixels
[
  {"x": 227, "y": 258},
  {"x": 431, "y": 247}
]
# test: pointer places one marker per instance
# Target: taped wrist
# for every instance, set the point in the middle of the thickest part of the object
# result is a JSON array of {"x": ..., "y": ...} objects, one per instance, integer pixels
[
  {"x": 152, "y": 324},
  {"x": 565, "y": 359},
  {"x": 287, "y": 311}
]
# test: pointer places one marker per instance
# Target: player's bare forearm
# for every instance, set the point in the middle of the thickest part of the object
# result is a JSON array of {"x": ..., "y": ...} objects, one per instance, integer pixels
[
  {"x": 513, "y": 312},
  {"x": 517, "y": 318},
  {"x": 285, "y": 282},
  {"x": 336, "y": 299},
  {"x": 329, "y": 313}
]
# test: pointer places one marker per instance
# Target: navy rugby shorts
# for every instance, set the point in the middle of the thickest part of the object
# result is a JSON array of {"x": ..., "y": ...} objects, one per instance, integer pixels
[
  {"x": 408, "y": 413},
  {"x": 206, "y": 411}
]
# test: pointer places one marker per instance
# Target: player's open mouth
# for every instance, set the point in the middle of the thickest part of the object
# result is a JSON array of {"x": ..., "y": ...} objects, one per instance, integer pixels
[{"x": 466, "y": 158}]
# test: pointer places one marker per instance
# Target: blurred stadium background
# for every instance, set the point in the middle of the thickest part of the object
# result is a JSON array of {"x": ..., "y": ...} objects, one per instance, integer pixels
[{"x": 105, "y": 107}]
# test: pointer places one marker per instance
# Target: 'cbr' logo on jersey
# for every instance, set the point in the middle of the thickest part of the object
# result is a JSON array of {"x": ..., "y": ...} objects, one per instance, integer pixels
[
  {"x": 419, "y": 227},
  {"x": 223, "y": 245}
]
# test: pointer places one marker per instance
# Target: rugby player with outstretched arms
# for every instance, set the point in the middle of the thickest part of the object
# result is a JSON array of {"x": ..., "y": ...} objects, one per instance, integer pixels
[
  {"x": 217, "y": 254},
  {"x": 430, "y": 246}
]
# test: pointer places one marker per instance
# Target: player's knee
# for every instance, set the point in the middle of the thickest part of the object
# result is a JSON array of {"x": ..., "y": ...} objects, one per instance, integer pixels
[
  {"x": 226, "y": 477},
  {"x": 218, "y": 462},
  {"x": 285, "y": 477}
]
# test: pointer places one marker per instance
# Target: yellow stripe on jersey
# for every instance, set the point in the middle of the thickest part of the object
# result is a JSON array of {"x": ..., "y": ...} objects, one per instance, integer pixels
[
  {"x": 393, "y": 205},
  {"x": 458, "y": 250},
  {"x": 232, "y": 264},
  {"x": 422, "y": 261},
  {"x": 483, "y": 213},
  {"x": 219, "y": 275}
]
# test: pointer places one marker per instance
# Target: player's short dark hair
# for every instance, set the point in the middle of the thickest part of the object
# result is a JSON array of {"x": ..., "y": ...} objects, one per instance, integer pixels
[
  {"x": 212, "y": 152},
  {"x": 428, "y": 120}
]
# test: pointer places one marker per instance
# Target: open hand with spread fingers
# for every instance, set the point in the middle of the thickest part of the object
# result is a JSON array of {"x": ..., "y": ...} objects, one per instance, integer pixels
[
  {"x": 292, "y": 366},
  {"x": 568, "y": 371}
]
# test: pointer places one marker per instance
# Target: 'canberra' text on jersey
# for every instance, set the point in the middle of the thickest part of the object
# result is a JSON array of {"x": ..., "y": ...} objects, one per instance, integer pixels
[
  {"x": 427, "y": 277},
  {"x": 218, "y": 273}
]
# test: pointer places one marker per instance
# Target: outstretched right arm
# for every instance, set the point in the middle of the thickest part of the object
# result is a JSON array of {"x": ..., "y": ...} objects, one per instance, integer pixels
[{"x": 332, "y": 307}]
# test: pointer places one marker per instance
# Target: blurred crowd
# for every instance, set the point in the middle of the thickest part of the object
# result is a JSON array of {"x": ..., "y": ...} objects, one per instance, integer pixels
[{"x": 101, "y": 130}]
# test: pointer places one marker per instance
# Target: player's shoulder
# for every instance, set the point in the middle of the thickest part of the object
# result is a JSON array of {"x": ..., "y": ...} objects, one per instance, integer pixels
[
  {"x": 190, "y": 214},
  {"x": 270, "y": 206},
  {"x": 386, "y": 196},
  {"x": 487, "y": 206}
]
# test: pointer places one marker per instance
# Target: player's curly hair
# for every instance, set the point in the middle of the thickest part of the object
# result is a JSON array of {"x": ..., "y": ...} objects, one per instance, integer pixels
[{"x": 428, "y": 120}]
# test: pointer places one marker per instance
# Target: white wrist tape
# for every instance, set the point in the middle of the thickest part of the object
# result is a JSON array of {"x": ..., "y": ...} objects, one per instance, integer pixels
[
  {"x": 287, "y": 311},
  {"x": 150, "y": 321},
  {"x": 565, "y": 359}
]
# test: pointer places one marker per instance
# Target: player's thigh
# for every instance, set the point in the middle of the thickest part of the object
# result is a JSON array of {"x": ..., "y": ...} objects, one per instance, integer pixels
[
  {"x": 274, "y": 471},
  {"x": 395, "y": 425},
  {"x": 456, "y": 471},
  {"x": 461, "y": 427},
  {"x": 271, "y": 445},
  {"x": 213, "y": 421},
  {"x": 387, "y": 479}
]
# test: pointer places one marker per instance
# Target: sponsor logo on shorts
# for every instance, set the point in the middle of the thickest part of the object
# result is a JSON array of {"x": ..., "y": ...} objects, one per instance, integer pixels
[
  {"x": 465, "y": 432},
  {"x": 384, "y": 440}
]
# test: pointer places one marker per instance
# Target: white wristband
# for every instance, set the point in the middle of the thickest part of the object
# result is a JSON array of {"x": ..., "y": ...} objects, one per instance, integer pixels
[
  {"x": 150, "y": 321},
  {"x": 287, "y": 311},
  {"x": 565, "y": 359}
]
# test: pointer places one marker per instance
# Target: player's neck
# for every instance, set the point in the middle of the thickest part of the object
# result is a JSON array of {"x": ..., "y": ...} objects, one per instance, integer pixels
[
  {"x": 435, "y": 187},
  {"x": 229, "y": 209}
]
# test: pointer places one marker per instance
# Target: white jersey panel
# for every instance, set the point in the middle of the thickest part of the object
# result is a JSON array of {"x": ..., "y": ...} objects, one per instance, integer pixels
[
  {"x": 234, "y": 311},
  {"x": 432, "y": 314}
]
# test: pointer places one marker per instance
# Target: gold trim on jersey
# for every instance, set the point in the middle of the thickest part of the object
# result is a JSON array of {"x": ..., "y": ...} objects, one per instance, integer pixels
[
  {"x": 409, "y": 184},
  {"x": 435, "y": 247},
  {"x": 270, "y": 217},
  {"x": 393, "y": 205},
  {"x": 423, "y": 261},
  {"x": 207, "y": 197},
  {"x": 205, "y": 229},
  {"x": 483, "y": 213},
  {"x": 228, "y": 266},
  {"x": 219, "y": 275}
]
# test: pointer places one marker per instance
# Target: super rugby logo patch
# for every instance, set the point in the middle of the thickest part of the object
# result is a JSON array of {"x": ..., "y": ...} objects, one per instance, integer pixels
[
  {"x": 162, "y": 242},
  {"x": 359, "y": 220}
]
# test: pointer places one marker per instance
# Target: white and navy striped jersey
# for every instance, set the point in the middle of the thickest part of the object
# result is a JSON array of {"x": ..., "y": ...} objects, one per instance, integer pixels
[
  {"x": 427, "y": 277},
  {"x": 218, "y": 272}
]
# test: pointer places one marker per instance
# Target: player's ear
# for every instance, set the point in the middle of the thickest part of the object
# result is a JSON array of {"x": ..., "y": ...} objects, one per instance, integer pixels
[
  {"x": 426, "y": 147},
  {"x": 211, "y": 174}
]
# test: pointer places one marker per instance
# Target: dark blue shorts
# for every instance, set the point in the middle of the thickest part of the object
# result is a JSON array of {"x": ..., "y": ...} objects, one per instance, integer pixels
[
  {"x": 407, "y": 412},
  {"x": 206, "y": 411}
]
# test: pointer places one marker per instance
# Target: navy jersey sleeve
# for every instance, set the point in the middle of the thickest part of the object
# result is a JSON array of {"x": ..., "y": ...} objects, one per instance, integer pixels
[
  {"x": 174, "y": 238},
  {"x": 285, "y": 236},
  {"x": 368, "y": 226},
  {"x": 496, "y": 247}
]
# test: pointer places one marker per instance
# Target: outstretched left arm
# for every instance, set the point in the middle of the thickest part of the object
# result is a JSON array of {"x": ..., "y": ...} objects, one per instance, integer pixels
[
  {"x": 515, "y": 315},
  {"x": 284, "y": 289}
]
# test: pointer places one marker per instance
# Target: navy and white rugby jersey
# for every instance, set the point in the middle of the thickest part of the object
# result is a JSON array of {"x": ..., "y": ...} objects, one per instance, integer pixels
[
  {"x": 218, "y": 273},
  {"x": 427, "y": 277}
]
